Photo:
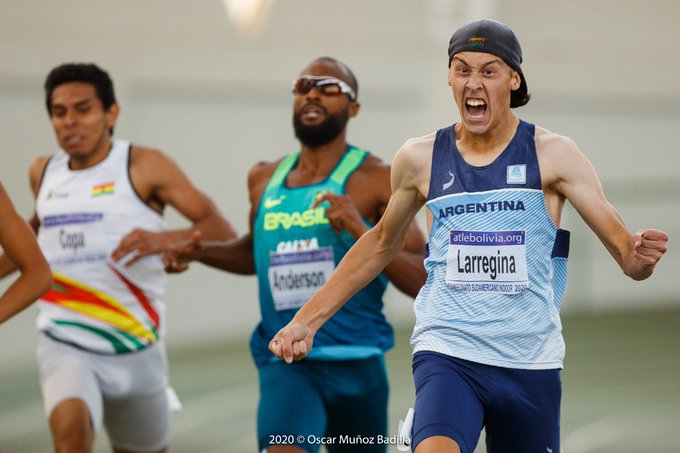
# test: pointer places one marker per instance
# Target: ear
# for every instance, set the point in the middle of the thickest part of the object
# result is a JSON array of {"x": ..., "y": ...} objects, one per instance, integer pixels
[
  {"x": 354, "y": 107},
  {"x": 112, "y": 115},
  {"x": 516, "y": 81}
]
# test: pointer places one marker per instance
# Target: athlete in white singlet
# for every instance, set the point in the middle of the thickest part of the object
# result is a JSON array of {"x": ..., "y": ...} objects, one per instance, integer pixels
[{"x": 99, "y": 206}]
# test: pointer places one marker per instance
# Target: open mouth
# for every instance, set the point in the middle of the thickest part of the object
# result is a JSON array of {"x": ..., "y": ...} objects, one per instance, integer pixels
[
  {"x": 476, "y": 108},
  {"x": 312, "y": 111},
  {"x": 73, "y": 140}
]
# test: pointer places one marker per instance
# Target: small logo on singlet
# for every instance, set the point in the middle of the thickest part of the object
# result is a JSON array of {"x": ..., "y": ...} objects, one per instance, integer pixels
[
  {"x": 273, "y": 202},
  {"x": 54, "y": 195},
  {"x": 517, "y": 174},
  {"x": 450, "y": 183},
  {"x": 103, "y": 189}
]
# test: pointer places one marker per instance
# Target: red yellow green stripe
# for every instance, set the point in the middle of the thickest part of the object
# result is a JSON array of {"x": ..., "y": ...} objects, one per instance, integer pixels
[
  {"x": 77, "y": 297},
  {"x": 141, "y": 297},
  {"x": 118, "y": 346}
]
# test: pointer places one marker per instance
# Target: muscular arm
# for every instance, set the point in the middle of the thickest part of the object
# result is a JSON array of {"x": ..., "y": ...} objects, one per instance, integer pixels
[
  {"x": 366, "y": 259},
  {"x": 406, "y": 270},
  {"x": 22, "y": 252},
  {"x": 570, "y": 175},
  {"x": 159, "y": 181},
  {"x": 368, "y": 193},
  {"x": 235, "y": 255}
]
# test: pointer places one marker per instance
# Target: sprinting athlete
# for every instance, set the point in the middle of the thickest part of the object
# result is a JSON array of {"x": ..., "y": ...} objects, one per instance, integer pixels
[
  {"x": 488, "y": 347},
  {"x": 98, "y": 215},
  {"x": 307, "y": 209}
]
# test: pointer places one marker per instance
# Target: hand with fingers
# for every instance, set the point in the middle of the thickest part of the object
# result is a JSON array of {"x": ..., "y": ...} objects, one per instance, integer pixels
[
  {"x": 342, "y": 214},
  {"x": 649, "y": 245},
  {"x": 293, "y": 342},
  {"x": 178, "y": 258},
  {"x": 140, "y": 243}
]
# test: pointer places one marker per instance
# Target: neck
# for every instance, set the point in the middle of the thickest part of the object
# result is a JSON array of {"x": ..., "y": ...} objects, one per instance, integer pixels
[
  {"x": 319, "y": 161},
  {"x": 490, "y": 143},
  {"x": 81, "y": 161}
]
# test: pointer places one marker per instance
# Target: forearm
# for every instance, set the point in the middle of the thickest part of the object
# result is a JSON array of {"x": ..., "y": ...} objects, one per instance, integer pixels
[
  {"x": 364, "y": 261},
  {"x": 213, "y": 228},
  {"x": 406, "y": 271},
  {"x": 232, "y": 256},
  {"x": 7, "y": 266},
  {"x": 23, "y": 292}
]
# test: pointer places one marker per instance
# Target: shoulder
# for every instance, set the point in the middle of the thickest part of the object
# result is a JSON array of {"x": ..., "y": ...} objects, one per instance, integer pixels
[
  {"x": 414, "y": 157},
  {"x": 373, "y": 167},
  {"x": 155, "y": 174},
  {"x": 370, "y": 181},
  {"x": 38, "y": 165},
  {"x": 548, "y": 142},
  {"x": 417, "y": 150},
  {"x": 146, "y": 156},
  {"x": 36, "y": 171},
  {"x": 151, "y": 166},
  {"x": 558, "y": 156},
  {"x": 261, "y": 172}
]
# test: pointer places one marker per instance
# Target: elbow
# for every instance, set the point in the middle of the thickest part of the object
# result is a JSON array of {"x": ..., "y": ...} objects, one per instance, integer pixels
[
  {"x": 412, "y": 286},
  {"x": 411, "y": 290},
  {"x": 225, "y": 231},
  {"x": 45, "y": 282}
]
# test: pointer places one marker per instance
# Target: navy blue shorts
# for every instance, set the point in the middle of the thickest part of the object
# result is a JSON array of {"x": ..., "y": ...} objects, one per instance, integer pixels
[
  {"x": 342, "y": 404},
  {"x": 455, "y": 398}
]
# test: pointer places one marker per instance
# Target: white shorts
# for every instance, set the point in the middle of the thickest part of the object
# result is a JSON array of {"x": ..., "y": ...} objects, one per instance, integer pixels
[{"x": 128, "y": 391}]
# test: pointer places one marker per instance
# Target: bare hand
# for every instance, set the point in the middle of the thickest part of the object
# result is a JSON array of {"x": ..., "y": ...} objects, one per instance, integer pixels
[
  {"x": 650, "y": 245},
  {"x": 342, "y": 214},
  {"x": 140, "y": 243},
  {"x": 293, "y": 342},
  {"x": 178, "y": 258}
]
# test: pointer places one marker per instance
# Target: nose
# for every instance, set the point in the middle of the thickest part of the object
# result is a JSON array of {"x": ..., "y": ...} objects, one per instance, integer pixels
[
  {"x": 314, "y": 93},
  {"x": 474, "y": 81},
  {"x": 69, "y": 118}
]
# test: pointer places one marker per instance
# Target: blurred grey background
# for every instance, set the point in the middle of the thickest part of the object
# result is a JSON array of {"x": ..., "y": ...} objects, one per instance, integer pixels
[{"x": 212, "y": 90}]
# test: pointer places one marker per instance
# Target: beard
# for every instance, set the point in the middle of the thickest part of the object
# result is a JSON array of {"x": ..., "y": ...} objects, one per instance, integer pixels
[{"x": 322, "y": 133}]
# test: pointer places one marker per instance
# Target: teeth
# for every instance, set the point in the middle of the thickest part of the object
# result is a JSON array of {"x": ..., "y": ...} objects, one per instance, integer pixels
[{"x": 475, "y": 102}]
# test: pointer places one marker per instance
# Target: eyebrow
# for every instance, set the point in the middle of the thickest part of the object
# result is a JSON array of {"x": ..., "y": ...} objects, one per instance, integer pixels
[
  {"x": 468, "y": 64},
  {"x": 79, "y": 103}
]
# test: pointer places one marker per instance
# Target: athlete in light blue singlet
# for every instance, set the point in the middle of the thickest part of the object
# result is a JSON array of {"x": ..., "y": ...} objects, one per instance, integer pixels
[
  {"x": 307, "y": 210},
  {"x": 487, "y": 342},
  {"x": 496, "y": 252}
]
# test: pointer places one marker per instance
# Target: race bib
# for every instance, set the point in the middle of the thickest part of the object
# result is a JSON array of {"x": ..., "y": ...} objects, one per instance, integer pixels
[
  {"x": 73, "y": 238},
  {"x": 295, "y": 277},
  {"x": 487, "y": 261}
]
